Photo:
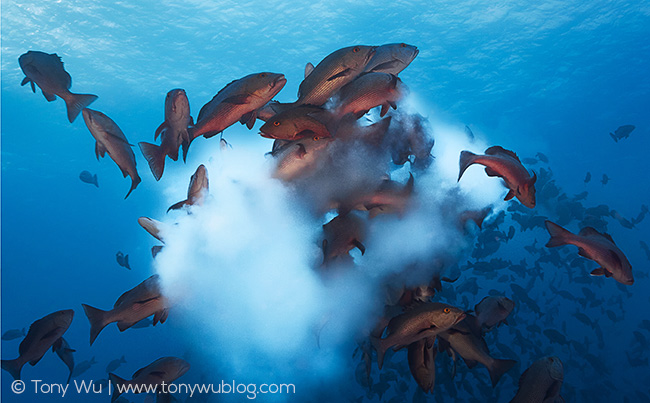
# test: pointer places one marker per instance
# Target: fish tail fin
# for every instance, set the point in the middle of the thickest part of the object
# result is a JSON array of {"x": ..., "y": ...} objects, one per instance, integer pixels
[
  {"x": 126, "y": 262},
  {"x": 134, "y": 184},
  {"x": 614, "y": 137},
  {"x": 559, "y": 236},
  {"x": 466, "y": 159},
  {"x": 95, "y": 182},
  {"x": 185, "y": 145},
  {"x": 498, "y": 368},
  {"x": 177, "y": 206},
  {"x": 98, "y": 320},
  {"x": 76, "y": 102},
  {"x": 155, "y": 157},
  {"x": 378, "y": 344},
  {"x": 13, "y": 367},
  {"x": 118, "y": 385}
]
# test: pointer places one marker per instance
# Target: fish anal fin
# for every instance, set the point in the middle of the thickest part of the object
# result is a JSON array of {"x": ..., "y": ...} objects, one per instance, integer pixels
[
  {"x": 510, "y": 195},
  {"x": 123, "y": 325},
  {"x": 48, "y": 96},
  {"x": 100, "y": 150}
]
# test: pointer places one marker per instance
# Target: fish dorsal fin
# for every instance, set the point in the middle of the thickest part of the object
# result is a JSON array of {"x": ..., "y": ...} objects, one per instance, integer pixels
[
  {"x": 522, "y": 377},
  {"x": 494, "y": 150},
  {"x": 589, "y": 231},
  {"x": 308, "y": 69},
  {"x": 138, "y": 372},
  {"x": 609, "y": 237},
  {"x": 122, "y": 298}
]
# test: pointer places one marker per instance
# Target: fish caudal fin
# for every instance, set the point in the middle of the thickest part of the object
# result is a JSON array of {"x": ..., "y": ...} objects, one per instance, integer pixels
[
  {"x": 134, "y": 184},
  {"x": 119, "y": 385},
  {"x": 155, "y": 157},
  {"x": 559, "y": 236},
  {"x": 98, "y": 320},
  {"x": 95, "y": 180},
  {"x": 13, "y": 367},
  {"x": 466, "y": 159},
  {"x": 498, "y": 368},
  {"x": 76, "y": 102},
  {"x": 379, "y": 345}
]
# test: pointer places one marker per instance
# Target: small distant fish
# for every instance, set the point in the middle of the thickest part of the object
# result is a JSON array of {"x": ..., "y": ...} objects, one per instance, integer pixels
[
  {"x": 605, "y": 179},
  {"x": 115, "y": 364},
  {"x": 622, "y": 132},
  {"x": 424, "y": 320},
  {"x": 541, "y": 382},
  {"x": 163, "y": 370},
  {"x": 197, "y": 191},
  {"x": 110, "y": 138},
  {"x": 18, "y": 333},
  {"x": 63, "y": 350},
  {"x": 391, "y": 58},
  {"x": 596, "y": 246},
  {"x": 469, "y": 133},
  {"x": 41, "y": 336},
  {"x": 134, "y": 305},
  {"x": 493, "y": 311},
  {"x": 87, "y": 177},
  {"x": 504, "y": 164},
  {"x": 529, "y": 161},
  {"x": 123, "y": 260},
  {"x": 82, "y": 367},
  {"x": 46, "y": 70},
  {"x": 644, "y": 246},
  {"x": 588, "y": 177},
  {"x": 542, "y": 157}
]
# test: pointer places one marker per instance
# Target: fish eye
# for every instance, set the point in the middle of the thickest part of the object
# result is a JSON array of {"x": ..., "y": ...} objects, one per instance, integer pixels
[
  {"x": 316, "y": 138},
  {"x": 356, "y": 49},
  {"x": 276, "y": 123},
  {"x": 262, "y": 75},
  {"x": 446, "y": 310},
  {"x": 402, "y": 45}
]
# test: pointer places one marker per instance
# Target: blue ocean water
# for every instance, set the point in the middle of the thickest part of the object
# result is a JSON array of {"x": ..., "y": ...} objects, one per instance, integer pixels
[{"x": 554, "y": 77}]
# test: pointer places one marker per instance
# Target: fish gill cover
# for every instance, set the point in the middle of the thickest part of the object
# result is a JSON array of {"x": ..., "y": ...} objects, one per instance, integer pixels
[{"x": 361, "y": 229}]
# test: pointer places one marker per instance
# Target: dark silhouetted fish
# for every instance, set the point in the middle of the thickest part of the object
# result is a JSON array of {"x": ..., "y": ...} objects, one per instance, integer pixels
[
  {"x": 197, "y": 190},
  {"x": 63, "y": 350},
  {"x": 13, "y": 334},
  {"x": 541, "y": 382},
  {"x": 542, "y": 157},
  {"x": 115, "y": 364},
  {"x": 134, "y": 305},
  {"x": 122, "y": 260},
  {"x": 421, "y": 359},
  {"x": 622, "y": 132},
  {"x": 111, "y": 139},
  {"x": 173, "y": 132},
  {"x": 506, "y": 165},
  {"x": 87, "y": 177},
  {"x": 46, "y": 70},
  {"x": 588, "y": 177},
  {"x": 605, "y": 179},
  {"x": 41, "y": 336},
  {"x": 83, "y": 367},
  {"x": 163, "y": 370},
  {"x": 342, "y": 234}
]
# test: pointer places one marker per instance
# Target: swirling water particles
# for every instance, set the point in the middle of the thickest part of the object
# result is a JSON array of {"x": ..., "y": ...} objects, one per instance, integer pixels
[{"x": 340, "y": 201}]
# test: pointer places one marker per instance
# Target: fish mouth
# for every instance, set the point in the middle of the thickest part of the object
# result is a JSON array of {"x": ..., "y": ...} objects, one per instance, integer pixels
[
  {"x": 460, "y": 318},
  {"x": 266, "y": 136},
  {"x": 371, "y": 54},
  {"x": 416, "y": 52},
  {"x": 279, "y": 81}
]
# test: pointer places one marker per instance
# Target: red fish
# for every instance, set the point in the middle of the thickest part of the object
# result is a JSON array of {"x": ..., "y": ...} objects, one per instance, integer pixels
[{"x": 505, "y": 164}]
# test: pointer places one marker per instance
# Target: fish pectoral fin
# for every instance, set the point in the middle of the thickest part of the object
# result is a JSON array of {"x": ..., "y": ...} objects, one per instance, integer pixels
[
  {"x": 57, "y": 344},
  {"x": 340, "y": 74},
  {"x": 583, "y": 253},
  {"x": 240, "y": 99},
  {"x": 25, "y": 81},
  {"x": 510, "y": 195},
  {"x": 248, "y": 119},
  {"x": 386, "y": 65},
  {"x": 470, "y": 363},
  {"x": 48, "y": 96},
  {"x": 302, "y": 151},
  {"x": 601, "y": 272},
  {"x": 51, "y": 333}
]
